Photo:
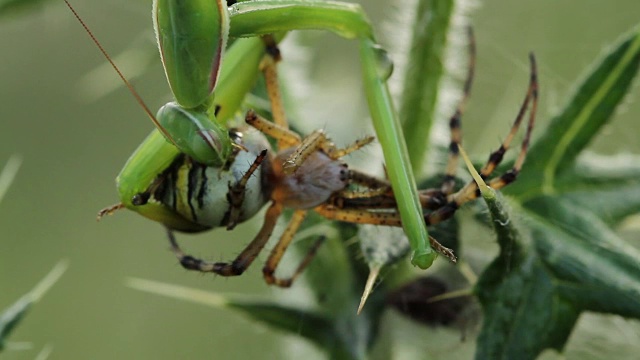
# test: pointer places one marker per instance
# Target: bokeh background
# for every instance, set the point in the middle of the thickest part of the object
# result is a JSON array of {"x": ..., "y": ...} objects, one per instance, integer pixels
[{"x": 73, "y": 142}]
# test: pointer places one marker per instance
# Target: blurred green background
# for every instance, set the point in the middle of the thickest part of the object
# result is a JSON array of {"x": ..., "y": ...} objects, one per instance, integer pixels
[{"x": 73, "y": 146}]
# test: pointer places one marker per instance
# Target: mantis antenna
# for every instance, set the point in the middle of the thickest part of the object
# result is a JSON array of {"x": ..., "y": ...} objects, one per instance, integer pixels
[{"x": 122, "y": 77}]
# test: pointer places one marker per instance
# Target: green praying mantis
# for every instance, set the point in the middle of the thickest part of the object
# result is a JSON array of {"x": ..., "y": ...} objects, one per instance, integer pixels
[{"x": 169, "y": 178}]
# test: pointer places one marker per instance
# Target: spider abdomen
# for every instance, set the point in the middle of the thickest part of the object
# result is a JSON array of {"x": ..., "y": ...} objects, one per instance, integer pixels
[{"x": 317, "y": 178}]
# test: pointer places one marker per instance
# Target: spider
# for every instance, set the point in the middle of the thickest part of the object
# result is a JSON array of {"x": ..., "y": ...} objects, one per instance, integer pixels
[{"x": 307, "y": 174}]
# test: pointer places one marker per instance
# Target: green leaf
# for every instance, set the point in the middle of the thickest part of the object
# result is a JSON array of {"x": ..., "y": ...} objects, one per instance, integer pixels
[
  {"x": 331, "y": 270},
  {"x": 423, "y": 73},
  {"x": 306, "y": 324},
  {"x": 609, "y": 169},
  {"x": 522, "y": 312},
  {"x": 608, "y": 185},
  {"x": 506, "y": 296},
  {"x": 12, "y": 315},
  {"x": 597, "y": 270},
  {"x": 507, "y": 235},
  {"x": 8, "y": 174},
  {"x": 573, "y": 261},
  {"x": 569, "y": 132},
  {"x": 611, "y": 204},
  {"x": 330, "y": 334},
  {"x": 532, "y": 294},
  {"x": 310, "y": 325}
]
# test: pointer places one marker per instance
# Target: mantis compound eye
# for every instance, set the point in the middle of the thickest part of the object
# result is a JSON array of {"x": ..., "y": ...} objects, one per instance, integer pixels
[{"x": 195, "y": 135}]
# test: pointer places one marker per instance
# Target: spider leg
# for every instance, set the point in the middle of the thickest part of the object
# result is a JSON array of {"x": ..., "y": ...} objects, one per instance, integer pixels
[
  {"x": 371, "y": 182},
  {"x": 359, "y": 216},
  {"x": 268, "y": 66},
  {"x": 270, "y": 72},
  {"x": 470, "y": 191},
  {"x": 372, "y": 188},
  {"x": 286, "y": 138},
  {"x": 360, "y": 195},
  {"x": 242, "y": 261},
  {"x": 449, "y": 180},
  {"x": 382, "y": 216},
  {"x": 318, "y": 140},
  {"x": 511, "y": 175},
  {"x": 431, "y": 199},
  {"x": 236, "y": 192},
  {"x": 281, "y": 247},
  {"x": 378, "y": 195},
  {"x": 335, "y": 153},
  {"x": 308, "y": 145},
  {"x": 385, "y": 218}
]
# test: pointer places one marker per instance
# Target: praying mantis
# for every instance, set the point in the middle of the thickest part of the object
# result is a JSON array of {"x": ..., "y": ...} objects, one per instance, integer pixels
[{"x": 191, "y": 144}]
